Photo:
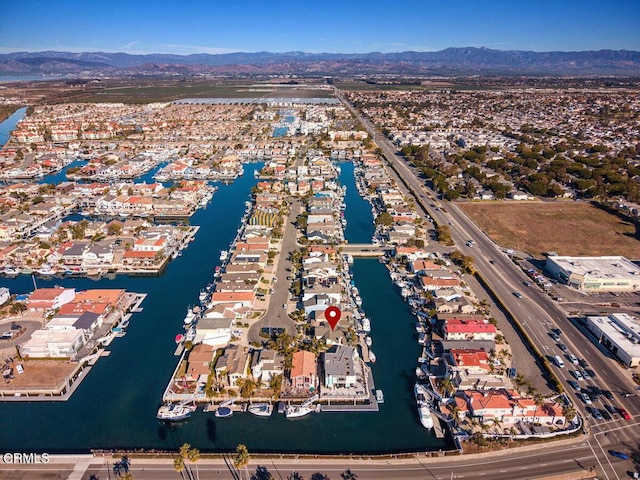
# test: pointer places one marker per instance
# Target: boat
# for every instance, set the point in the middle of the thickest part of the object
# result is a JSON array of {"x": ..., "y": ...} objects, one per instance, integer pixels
[
  {"x": 10, "y": 272},
  {"x": 368, "y": 341},
  {"x": 223, "y": 412},
  {"x": 425, "y": 416},
  {"x": 420, "y": 373},
  {"x": 170, "y": 412},
  {"x": 295, "y": 411},
  {"x": 379, "y": 396},
  {"x": 203, "y": 295},
  {"x": 261, "y": 409},
  {"x": 224, "y": 255},
  {"x": 46, "y": 270},
  {"x": 282, "y": 407},
  {"x": 124, "y": 324},
  {"x": 372, "y": 357},
  {"x": 366, "y": 325},
  {"x": 190, "y": 317}
]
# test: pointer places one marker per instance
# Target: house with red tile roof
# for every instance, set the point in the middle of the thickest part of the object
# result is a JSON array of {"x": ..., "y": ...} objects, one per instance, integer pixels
[
  {"x": 457, "y": 329},
  {"x": 303, "y": 374},
  {"x": 50, "y": 298}
]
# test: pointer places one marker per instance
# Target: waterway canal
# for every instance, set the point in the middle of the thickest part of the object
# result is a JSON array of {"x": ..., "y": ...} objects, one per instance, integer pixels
[{"x": 115, "y": 405}]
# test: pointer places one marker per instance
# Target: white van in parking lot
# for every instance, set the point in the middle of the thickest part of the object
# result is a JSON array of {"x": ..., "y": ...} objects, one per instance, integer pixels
[{"x": 558, "y": 361}]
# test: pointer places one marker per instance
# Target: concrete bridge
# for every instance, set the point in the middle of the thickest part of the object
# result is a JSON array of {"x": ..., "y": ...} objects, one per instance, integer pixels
[{"x": 364, "y": 249}]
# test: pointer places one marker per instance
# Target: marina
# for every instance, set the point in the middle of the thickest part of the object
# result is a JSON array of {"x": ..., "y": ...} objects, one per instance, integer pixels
[{"x": 368, "y": 275}]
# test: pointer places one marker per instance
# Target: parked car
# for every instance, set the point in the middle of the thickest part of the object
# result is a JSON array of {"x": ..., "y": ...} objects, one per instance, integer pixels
[
  {"x": 605, "y": 414},
  {"x": 585, "y": 398},
  {"x": 577, "y": 374},
  {"x": 586, "y": 375},
  {"x": 583, "y": 363},
  {"x": 554, "y": 336},
  {"x": 573, "y": 359},
  {"x": 621, "y": 455},
  {"x": 517, "y": 294},
  {"x": 624, "y": 414},
  {"x": 557, "y": 331},
  {"x": 611, "y": 409},
  {"x": 607, "y": 394},
  {"x": 563, "y": 347}
]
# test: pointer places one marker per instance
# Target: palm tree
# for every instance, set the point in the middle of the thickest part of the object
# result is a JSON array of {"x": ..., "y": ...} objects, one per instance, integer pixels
[
  {"x": 247, "y": 387},
  {"x": 539, "y": 399},
  {"x": 569, "y": 412},
  {"x": 447, "y": 387},
  {"x": 178, "y": 466},
  {"x": 496, "y": 424},
  {"x": 188, "y": 455},
  {"x": 241, "y": 460},
  {"x": 275, "y": 384},
  {"x": 193, "y": 455}
]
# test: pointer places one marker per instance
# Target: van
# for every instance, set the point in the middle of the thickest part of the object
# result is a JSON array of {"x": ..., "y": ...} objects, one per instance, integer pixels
[{"x": 558, "y": 361}]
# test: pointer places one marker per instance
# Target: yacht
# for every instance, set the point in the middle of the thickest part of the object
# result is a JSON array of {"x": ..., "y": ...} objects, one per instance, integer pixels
[
  {"x": 425, "y": 416},
  {"x": 366, "y": 325},
  {"x": 170, "y": 412},
  {"x": 261, "y": 409},
  {"x": 190, "y": 317},
  {"x": 224, "y": 255},
  {"x": 295, "y": 411},
  {"x": 10, "y": 271},
  {"x": 46, "y": 270}
]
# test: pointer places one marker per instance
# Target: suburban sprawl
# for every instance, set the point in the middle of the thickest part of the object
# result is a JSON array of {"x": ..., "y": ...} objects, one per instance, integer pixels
[{"x": 528, "y": 328}]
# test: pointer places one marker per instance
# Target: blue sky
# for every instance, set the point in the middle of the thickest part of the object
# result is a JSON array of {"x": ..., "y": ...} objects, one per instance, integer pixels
[{"x": 213, "y": 26}]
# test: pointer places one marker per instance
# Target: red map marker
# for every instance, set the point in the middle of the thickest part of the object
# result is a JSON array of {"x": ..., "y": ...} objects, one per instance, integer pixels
[{"x": 332, "y": 314}]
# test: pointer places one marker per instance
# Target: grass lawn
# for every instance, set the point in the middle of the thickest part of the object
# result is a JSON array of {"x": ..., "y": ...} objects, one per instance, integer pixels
[{"x": 568, "y": 228}]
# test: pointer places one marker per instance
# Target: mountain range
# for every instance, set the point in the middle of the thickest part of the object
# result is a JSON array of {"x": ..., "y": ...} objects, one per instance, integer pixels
[{"x": 451, "y": 61}]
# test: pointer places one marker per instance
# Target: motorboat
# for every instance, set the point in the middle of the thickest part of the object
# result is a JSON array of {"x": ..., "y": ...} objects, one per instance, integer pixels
[
  {"x": 379, "y": 396},
  {"x": 295, "y": 411},
  {"x": 261, "y": 409},
  {"x": 223, "y": 412},
  {"x": 368, "y": 341},
  {"x": 366, "y": 325},
  {"x": 425, "y": 416},
  {"x": 190, "y": 317},
  {"x": 372, "y": 357},
  {"x": 224, "y": 255},
  {"x": 170, "y": 412}
]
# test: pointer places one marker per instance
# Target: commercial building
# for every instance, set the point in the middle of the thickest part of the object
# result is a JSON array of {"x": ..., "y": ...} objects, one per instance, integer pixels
[
  {"x": 596, "y": 274},
  {"x": 620, "y": 334}
]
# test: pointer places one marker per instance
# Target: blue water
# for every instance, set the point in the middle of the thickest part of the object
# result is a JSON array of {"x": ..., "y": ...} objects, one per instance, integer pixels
[
  {"x": 359, "y": 227},
  {"x": 280, "y": 132},
  {"x": 9, "y": 124},
  {"x": 61, "y": 176},
  {"x": 115, "y": 405}
]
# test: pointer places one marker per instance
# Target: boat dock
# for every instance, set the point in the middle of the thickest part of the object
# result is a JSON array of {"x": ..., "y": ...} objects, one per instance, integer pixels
[{"x": 364, "y": 249}]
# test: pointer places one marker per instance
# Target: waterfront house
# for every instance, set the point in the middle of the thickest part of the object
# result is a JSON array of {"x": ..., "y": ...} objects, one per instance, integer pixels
[
  {"x": 44, "y": 299},
  {"x": 339, "y": 367},
  {"x": 215, "y": 332},
  {"x": 199, "y": 362},
  {"x": 457, "y": 329},
  {"x": 53, "y": 343},
  {"x": 4, "y": 295},
  {"x": 265, "y": 365},
  {"x": 232, "y": 365},
  {"x": 303, "y": 375}
]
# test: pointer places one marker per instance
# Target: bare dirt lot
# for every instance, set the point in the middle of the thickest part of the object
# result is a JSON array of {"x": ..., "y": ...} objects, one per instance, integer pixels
[
  {"x": 568, "y": 228},
  {"x": 39, "y": 374}
]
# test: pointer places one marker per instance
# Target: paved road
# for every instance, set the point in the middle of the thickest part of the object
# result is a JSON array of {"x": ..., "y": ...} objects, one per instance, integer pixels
[
  {"x": 573, "y": 455},
  {"x": 276, "y": 316}
]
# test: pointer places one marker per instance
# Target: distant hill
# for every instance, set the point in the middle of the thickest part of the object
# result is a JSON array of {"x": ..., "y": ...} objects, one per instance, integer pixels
[{"x": 451, "y": 61}]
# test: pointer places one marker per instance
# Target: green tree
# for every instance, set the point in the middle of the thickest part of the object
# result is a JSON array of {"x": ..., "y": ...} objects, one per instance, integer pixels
[
  {"x": 384, "y": 219},
  {"x": 242, "y": 458}
]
